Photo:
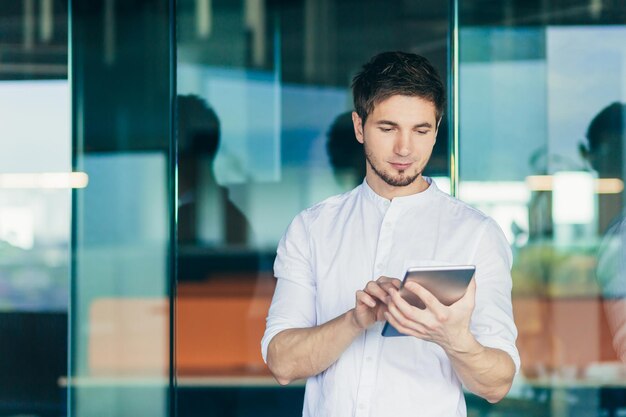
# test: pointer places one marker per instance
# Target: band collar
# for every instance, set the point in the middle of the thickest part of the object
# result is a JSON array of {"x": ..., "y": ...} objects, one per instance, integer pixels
[{"x": 383, "y": 202}]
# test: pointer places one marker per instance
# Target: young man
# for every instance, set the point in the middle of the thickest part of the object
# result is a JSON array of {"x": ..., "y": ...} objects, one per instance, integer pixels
[{"x": 334, "y": 262}]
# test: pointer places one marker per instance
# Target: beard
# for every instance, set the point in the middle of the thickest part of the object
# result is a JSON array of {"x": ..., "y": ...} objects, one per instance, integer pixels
[{"x": 402, "y": 180}]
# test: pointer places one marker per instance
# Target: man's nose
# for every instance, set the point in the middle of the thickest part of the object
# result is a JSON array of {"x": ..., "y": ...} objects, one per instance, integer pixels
[{"x": 403, "y": 144}]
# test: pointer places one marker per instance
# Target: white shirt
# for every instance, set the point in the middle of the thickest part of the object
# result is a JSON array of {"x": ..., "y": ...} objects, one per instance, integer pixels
[{"x": 334, "y": 248}]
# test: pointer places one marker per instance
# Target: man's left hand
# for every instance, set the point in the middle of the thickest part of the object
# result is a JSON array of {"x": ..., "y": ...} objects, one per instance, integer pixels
[{"x": 447, "y": 326}]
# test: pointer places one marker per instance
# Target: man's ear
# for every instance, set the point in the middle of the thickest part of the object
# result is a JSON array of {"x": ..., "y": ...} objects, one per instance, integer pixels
[{"x": 358, "y": 126}]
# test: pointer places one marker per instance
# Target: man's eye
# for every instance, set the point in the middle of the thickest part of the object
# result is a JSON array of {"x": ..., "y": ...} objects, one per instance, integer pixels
[
  {"x": 386, "y": 129},
  {"x": 422, "y": 132}
]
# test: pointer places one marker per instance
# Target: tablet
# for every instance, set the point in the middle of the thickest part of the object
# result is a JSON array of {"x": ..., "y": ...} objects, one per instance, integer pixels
[{"x": 447, "y": 283}]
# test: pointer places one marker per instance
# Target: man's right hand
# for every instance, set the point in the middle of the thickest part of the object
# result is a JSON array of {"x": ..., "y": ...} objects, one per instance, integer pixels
[
  {"x": 303, "y": 352},
  {"x": 371, "y": 302}
]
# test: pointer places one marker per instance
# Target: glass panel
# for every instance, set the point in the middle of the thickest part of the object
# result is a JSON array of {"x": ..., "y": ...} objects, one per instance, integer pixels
[
  {"x": 121, "y": 113},
  {"x": 264, "y": 131},
  {"x": 541, "y": 140},
  {"x": 35, "y": 202}
]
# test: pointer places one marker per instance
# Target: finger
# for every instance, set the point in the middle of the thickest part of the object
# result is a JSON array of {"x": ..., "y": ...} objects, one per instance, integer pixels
[
  {"x": 470, "y": 294},
  {"x": 383, "y": 278},
  {"x": 407, "y": 322},
  {"x": 399, "y": 327},
  {"x": 394, "y": 283},
  {"x": 364, "y": 298},
  {"x": 426, "y": 318},
  {"x": 387, "y": 286},
  {"x": 430, "y": 301},
  {"x": 375, "y": 290},
  {"x": 382, "y": 309},
  {"x": 407, "y": 309},
  {"x": 471, "y": 287}
]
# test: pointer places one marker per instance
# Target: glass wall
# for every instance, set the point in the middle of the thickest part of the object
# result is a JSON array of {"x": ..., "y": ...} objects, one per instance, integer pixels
[
  {"x": 121, "y": 79},
  {"x": 144, "y": 188},
  {"x": 264, "y": 131},
  {"x": 35, "y": 202},
  {"x": 541, "y": 141}
]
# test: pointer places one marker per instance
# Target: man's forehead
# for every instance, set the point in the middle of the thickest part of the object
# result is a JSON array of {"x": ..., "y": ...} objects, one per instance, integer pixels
[{"x": 404, "y": 108}]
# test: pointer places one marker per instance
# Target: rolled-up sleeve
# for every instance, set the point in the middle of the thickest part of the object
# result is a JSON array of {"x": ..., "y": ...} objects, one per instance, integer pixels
[
  {"x": 293, "y": 303},
  {"x": 492, "y": 321}
]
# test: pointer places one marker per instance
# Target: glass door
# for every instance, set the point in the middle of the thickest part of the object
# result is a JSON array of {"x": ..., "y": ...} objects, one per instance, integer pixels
[
  {"x": 541, "y": 150},
  {"x": 122, "y": 221},
  {"x": 264, "y": 131}
]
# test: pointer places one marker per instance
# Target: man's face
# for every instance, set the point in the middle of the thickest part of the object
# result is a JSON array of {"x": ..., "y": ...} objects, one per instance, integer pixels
[{"x": 398, "y": 139}]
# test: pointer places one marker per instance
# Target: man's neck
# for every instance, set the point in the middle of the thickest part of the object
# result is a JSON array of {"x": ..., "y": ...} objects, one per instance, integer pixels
[{"x": 380, "y": 187}]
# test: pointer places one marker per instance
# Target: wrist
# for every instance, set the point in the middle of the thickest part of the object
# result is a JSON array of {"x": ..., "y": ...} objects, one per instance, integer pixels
[
  {"x": 353, "y": 323},
  {"x": 464, "y": 345}
]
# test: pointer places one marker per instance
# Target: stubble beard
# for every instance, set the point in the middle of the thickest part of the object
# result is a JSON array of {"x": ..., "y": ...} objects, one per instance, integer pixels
[{"x": 401, "y": 181}]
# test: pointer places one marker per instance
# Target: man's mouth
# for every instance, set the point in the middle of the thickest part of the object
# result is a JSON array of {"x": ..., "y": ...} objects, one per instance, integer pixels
[{"x": 401, "y": 166}]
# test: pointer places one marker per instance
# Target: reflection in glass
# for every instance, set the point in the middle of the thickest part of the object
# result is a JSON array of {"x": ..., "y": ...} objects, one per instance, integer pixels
[
  {"x": 534, "y": 80},
  {"x": 606, "y": 137}
]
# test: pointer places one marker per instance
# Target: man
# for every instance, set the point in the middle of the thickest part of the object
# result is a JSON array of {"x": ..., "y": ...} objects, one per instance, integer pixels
[{"x": 333, "y": 292}]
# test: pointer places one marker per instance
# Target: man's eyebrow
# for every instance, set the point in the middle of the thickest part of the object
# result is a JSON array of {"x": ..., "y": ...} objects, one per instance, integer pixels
[
  {"x": 386, "y": 122},
  {"x": 417, "y": 126}
]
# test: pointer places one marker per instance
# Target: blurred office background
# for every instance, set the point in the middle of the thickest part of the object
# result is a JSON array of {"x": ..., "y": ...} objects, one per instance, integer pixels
[{"x": 153, "y": 153}]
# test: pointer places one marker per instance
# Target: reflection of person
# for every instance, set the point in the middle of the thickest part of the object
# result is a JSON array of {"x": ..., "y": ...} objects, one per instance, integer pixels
[
  {"x": 204, "y": 204},
  {"x": 355, "y": 245},
  {"x": 605, "y": 136},
  {"x": 345, "y": 152},
  {"x": 198, "y": 143}
]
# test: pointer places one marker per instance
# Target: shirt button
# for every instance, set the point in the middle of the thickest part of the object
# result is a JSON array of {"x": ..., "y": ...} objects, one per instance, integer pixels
[
  {"x": 387, "y": 224},
  {"x": 362, "y": 406},
  {"x": 379, "y": 266},
  {"x": 368, "y": 359}
]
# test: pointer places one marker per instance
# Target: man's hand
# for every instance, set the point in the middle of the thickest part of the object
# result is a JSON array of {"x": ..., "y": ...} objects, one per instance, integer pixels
[
  {"x": 485, "y": 371},
  {"x": 448, "y": 326},
  {"x": 303, "y": 352},
  {"x": 371, "y": 302}
]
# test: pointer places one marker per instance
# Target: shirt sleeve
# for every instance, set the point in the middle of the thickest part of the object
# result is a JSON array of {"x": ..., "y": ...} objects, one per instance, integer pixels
[
  {"x": 492, "y": 320},
  {"x": 293, "y": 303}
]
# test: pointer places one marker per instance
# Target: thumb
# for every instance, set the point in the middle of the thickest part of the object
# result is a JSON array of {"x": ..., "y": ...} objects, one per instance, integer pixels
[{"x": 470, "y": 293}]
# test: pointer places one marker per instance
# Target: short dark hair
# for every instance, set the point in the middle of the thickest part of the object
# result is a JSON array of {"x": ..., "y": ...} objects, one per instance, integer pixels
[
  {"x": 607, "y": 126},
  {"x": 605, "y": 137},
  {"x": 198, "y": 129},
  {"x": 396, "y": 73}
]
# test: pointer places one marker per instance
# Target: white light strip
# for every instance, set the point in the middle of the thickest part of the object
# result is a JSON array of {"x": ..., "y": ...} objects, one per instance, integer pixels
[
  {"x": 603, "y": 185},
  {"x": 44, "y": 180}
]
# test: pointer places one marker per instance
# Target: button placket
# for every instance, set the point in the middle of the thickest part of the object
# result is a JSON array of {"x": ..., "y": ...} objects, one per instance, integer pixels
[
  {"x": 369, "y": 362},
  {"x": 384, "y": 241},
  {"x": 369, "y": 367}
]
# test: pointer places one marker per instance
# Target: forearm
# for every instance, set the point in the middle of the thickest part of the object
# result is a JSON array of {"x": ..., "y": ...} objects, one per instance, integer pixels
[
  {"x": 300, "y": 353},
  {"x": 485, "y": 371}
]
